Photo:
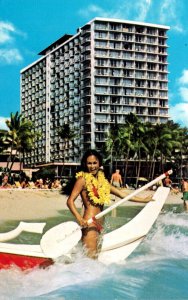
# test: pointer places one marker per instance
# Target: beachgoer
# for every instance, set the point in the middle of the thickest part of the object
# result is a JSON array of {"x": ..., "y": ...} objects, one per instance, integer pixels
[
  {"x": 39, "y": 183},
  {"x": 95, "y": 191},
  {"x": 5, "y": 183},
  {"x": 116, "y": 179},
  {"x": 24, "y": 183},
  {"x": 56, "y": 184},
  {"x": 185, "y": 193},
  {"x": 168, "y": 182}
]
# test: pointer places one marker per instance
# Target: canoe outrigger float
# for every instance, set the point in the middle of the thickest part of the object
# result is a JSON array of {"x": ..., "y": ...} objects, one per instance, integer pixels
[{"x": 61, "y": 240}]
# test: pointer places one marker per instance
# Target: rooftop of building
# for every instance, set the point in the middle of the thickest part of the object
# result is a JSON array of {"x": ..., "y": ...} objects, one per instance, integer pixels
[
  {"x": 66, "y": 37},
  {"x": 52, "y": 47},
  {"x": 129, "y": 22},
  {"x": 55, "y": 44}
]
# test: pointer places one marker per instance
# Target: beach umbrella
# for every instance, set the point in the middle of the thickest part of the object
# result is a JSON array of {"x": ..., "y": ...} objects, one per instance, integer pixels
[{"x": 142, "y": 179}]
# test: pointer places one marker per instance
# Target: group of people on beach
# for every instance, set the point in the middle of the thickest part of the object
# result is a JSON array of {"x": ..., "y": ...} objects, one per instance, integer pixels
[{"x": 24, "y": 183}]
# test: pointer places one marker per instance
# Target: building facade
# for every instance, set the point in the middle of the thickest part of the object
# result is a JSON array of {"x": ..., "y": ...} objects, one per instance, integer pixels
[{"x": 91, "y": 80}]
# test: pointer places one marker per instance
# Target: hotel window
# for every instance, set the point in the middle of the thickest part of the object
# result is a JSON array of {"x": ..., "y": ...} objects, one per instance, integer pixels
[
  {"x": 162, "y": 94},
  {"x": 101, "y": 80},
  {"x": 101, "y": 62},
  {"x": 115, "y": 26},
  {"x": 115, "y": 45},
  {"x": 115, "y": 72},
  {"x": 139, "y": 39},
  {"x": 127, "y": 37},
  {"x": 139, "y": 74},
  {"x": 140, "y": 56},
  {"x": 101, "y": 99},
  {"x": 101, "y": 89},
  {"x": 152, "y": 111},
  {"x": 127, "y": 55},
  {"x": 162, "y": 67},
  {"x": 140, "y": 110},
  {"x": 128, "y": 91},
  {"x": 100, "y": 34},
  {"x": 113, "y": 63},
  {"x": 139, "y": 65},
  {"x": 101, "y": 52},
  {"x": 151, "y": 66},
  {"x": 152, "y": 57},
  {"x": 152, "y": 102},
  {"x": 151, "y": 31},
  {"x": 101, "y": 26},
  {"x": 139, "y": 92},
  {"x": 101, "y": 44},
  {"x": 128, "y": 46},
  {"x": 162, "y": 112},
  {"x": 114, "y": 90},
  {"x": 128, "y": 82},
  {"x": 102, "y": 71},
  {"x": 151, "y": 40},
  {"x": 162, "y": 50}
]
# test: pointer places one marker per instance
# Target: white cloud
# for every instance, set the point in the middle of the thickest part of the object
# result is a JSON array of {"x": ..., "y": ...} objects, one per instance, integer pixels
[
  {"x": 93, "y": 9},
  {"x": 122, "y": 10},
  {"x": 183, "y": 86},
  {"x": 2, "y": 123},
  {"x": 168, "y": 12},
  {"x": 10, "y": 56},
  {"x": 184, "y": 93},
  {"x": 162, "y": 11},
  {"x": 179, "y": 113},
  {"x": 9, "y": 53},
  {"x": 184, "y": 78},
  {"x": 143, "y": 8},
  {"x": 6, "y": 30}
]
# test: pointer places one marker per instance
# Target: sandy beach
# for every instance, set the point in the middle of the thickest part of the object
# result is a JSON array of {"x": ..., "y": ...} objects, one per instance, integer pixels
[{"x": 34, "y": 204}]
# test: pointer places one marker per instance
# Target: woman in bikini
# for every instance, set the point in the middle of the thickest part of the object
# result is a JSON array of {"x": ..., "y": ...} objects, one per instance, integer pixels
[{"x": 95, "y": 191}]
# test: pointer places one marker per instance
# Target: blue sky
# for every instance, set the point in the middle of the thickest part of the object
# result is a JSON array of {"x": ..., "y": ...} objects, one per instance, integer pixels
[{"x": 29, "y": 26}]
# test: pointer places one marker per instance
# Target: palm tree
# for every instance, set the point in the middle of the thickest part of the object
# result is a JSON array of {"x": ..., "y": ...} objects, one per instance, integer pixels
[
  {"x": 125, "y": 145},
  {"x": 2, "y": 145},
  {"x": 180, "y": 145},
  {"x": 112, "y": 145},
  {"x": 156, "y": 142},
  {"x": 170, "y": 143},
  {"x": 181, "y": 153},
  {"x": 19, "y": 137},
  {"x": 137, "y": 139},
  {"x": 67, "y": 134},
  {"x": 157, "y": 135}
]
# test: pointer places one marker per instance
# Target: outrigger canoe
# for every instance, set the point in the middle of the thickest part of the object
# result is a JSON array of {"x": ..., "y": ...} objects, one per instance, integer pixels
[{"x": 60, "y": 240}]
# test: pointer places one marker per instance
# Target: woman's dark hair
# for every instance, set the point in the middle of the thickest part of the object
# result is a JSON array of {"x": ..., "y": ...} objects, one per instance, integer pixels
[
  {"x": 68, "y": 188},
  {"x": 86, "y": 155}
]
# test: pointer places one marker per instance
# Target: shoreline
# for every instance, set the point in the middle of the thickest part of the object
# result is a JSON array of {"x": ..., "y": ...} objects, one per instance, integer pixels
[{"x": 36, "y": 204}]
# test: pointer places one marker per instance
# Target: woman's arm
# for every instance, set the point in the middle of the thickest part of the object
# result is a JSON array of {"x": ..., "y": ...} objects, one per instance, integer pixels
[
  {"x": 78, "y": 187},
  {"x": 123, "y": 194}
]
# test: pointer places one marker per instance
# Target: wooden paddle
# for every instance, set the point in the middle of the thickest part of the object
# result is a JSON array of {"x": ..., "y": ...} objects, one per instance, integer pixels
[
  {"x": 22, "y": 226},
  {"x": 60, "y": 239}
]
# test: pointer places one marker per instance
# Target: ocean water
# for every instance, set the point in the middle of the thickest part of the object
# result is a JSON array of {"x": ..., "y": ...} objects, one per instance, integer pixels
[{"x": 157, "y": 269}]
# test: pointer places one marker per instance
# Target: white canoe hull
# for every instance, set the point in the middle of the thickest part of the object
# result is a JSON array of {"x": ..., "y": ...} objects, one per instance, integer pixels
[{"x": 120, "y": 243}]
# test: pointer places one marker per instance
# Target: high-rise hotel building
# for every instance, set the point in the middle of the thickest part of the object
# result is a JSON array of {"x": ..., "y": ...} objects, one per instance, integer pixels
[{"x": 91, "y": 80}]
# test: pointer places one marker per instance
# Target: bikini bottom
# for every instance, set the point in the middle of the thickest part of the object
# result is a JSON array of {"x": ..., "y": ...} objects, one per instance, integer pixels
[{"x": 88, "y": 229}]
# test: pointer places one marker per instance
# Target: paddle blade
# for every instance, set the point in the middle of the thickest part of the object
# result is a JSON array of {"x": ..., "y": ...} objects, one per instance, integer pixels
[{"x": 60, "y": 239}]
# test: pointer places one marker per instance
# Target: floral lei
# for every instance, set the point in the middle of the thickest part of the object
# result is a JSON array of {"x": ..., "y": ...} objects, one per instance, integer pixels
[{"x": 98, "y": 188}]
